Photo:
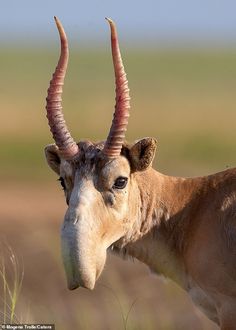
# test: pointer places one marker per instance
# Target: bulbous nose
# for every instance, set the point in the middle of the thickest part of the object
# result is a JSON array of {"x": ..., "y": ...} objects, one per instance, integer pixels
[
  {"x": 81, "y": 239},
  {"x": 78, "y": 256}
]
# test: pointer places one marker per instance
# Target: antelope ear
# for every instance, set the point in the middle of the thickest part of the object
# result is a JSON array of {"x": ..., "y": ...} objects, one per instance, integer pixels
[
  {"x": 52, "y": 157},
  {"x": 142, "y": 153}
]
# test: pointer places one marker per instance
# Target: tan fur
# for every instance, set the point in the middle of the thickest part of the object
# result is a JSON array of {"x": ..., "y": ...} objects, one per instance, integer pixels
[{"x": 182, "y": 228}]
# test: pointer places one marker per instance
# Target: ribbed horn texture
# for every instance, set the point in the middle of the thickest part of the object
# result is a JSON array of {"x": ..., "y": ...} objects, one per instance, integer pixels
[
  {"x": 116, "y": 135},
  {"x": 67, "y": 146}
]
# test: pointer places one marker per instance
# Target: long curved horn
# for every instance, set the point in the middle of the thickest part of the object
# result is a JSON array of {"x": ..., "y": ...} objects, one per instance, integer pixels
[
  {"x": 67, "y": 146},
  {"x": 118, "y": 128}
]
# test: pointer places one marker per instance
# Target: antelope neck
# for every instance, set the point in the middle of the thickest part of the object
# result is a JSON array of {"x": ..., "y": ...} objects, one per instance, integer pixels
[{"x": 160, "y": 236}]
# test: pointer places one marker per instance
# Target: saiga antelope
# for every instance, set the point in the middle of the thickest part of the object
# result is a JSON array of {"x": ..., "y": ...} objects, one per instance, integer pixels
[{"x": 184, "y": 228}]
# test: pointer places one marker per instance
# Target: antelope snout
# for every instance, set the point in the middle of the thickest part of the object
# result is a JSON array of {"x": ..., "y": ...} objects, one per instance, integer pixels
[{"x": 83, "y": 259}]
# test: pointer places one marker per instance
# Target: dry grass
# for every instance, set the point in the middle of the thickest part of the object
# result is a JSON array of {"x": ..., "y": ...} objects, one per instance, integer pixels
[{"x": 11, "y": 277}]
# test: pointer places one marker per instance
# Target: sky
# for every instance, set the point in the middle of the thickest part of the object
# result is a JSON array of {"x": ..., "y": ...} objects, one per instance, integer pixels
[{"x": 139, "y": 22}]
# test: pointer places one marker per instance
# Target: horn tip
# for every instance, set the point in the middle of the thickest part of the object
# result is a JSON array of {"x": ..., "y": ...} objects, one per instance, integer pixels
[
  {"x": 110, "y": 21},
  {"x": 58, "y": 23}
]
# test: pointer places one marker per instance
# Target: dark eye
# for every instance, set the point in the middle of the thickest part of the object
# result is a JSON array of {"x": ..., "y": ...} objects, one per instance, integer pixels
[
  {"x": 62, "y": 182},
  {"x": 120, "y": 183}
]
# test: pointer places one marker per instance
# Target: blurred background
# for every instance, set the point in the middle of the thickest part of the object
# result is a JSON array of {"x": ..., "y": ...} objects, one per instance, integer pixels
[{"x": 180, "y": 58}]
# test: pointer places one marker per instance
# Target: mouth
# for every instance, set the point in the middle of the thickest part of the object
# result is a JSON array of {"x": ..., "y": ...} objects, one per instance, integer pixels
[
  {"x": 73, "y": 286},
  {"x": 118, "y": 251},
  {"x": 111, "y": 247},
  {"x": 114, "y": 249},
  {"x": 89, "y": 284}
]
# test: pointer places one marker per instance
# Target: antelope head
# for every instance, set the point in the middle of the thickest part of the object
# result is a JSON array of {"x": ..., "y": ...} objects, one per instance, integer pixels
[{"x": 99, "y": 179}]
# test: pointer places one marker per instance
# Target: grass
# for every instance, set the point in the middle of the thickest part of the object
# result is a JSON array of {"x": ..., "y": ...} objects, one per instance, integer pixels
[
  {"x": 124, "y": 315},
  {"x": 11, "y": 277}
]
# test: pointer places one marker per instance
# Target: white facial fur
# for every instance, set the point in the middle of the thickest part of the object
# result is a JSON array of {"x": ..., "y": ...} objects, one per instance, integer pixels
[{"x": 96, "y": 217}]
